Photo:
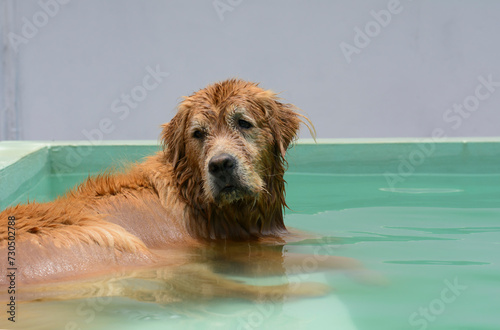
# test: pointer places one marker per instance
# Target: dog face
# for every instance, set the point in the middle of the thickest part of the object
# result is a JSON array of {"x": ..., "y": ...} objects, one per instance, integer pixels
[
  {"x": 228, "y": 141},
  {"x": 228, "y": 144}
]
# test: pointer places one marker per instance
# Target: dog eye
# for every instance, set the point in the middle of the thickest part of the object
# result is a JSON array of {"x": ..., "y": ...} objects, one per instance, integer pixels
[
  {"x": 244, "y": 124},
  {"x": 198, "y": 134}
]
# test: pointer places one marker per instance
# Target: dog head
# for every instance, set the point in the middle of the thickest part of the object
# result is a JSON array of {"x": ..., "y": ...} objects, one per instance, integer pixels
[{"x": 227, "y": 143}]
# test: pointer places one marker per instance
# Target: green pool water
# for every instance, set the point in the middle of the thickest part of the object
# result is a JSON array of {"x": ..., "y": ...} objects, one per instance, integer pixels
[{"x": 434, "y": 236}]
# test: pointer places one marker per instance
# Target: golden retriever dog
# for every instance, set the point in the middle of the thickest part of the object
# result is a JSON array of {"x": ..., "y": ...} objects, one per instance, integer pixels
[{"x": 211, "y": 201}]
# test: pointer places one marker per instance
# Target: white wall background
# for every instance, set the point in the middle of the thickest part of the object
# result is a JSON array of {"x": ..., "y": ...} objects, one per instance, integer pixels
[{"x": 71, "y": 70}]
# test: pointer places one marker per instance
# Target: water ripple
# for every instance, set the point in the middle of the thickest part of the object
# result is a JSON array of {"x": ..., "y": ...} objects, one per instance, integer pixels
[
  {"x": 422, "y": 190},
  {"x": 438, "y": 262}
]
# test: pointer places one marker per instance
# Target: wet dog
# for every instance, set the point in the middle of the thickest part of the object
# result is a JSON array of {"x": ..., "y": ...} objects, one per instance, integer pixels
[{"x": 214, "y": 193}]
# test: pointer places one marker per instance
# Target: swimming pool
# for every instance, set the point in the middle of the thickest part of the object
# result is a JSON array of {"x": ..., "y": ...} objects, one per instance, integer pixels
[{"x": 424, "y": 215}]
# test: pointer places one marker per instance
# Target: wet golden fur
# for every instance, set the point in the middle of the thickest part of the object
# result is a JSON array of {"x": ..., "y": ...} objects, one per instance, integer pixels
[{"x": 158, "y": 212}]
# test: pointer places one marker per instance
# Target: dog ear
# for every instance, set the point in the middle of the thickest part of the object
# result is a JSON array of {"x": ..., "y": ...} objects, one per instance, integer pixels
[
  {"x": 284, "y": 121},
  {"x": 172, "y": 137}
]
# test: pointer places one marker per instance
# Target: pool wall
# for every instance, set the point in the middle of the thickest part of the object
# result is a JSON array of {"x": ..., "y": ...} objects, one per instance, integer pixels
[{"x": 24, "y": 163}]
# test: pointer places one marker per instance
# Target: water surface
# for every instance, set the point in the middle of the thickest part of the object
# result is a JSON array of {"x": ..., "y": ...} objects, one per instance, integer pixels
[{"x": 434, "y": 238}]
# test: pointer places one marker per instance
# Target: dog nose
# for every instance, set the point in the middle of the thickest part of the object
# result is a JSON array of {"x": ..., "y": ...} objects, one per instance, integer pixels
[{"x": 221, "y": 164}]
